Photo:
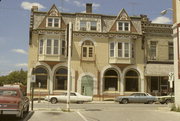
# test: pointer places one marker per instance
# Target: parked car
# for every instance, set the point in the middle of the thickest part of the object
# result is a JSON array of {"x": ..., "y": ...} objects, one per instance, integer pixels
[
  {"x": 166, "y": 99},
  {"x": 136, "y": 98},
  {"x": 74, "y": 97},
  {"x": 13, "y": 102}
]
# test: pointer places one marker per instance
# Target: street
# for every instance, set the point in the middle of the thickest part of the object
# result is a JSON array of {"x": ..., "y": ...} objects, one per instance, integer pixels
[{"x": 103, "y": 112}]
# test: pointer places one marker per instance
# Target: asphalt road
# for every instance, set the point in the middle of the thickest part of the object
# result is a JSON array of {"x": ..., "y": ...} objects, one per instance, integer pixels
[
  {"x": 99, "y": 112},
  {"x": 103, "y": 112}
]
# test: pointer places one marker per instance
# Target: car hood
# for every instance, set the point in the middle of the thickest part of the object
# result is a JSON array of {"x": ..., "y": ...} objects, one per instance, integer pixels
[{"x": 6, "y": 99}]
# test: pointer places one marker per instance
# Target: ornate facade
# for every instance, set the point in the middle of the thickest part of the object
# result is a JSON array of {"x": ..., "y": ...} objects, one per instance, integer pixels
[{"x": 111, "y": 55}]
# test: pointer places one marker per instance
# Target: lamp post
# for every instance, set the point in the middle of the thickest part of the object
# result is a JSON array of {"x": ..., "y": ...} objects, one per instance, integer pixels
[{"x": 163, "y": 12}]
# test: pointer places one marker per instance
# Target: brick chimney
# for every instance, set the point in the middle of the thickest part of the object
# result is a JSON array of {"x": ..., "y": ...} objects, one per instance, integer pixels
[
  {"x": 34, "y": 8},
  {"x": 88, "y": 7}
]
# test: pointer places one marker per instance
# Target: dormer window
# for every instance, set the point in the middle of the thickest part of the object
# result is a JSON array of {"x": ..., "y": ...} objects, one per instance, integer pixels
[
  {"x": 53, "y": 22},
  {"x": 123, "y": 26}
]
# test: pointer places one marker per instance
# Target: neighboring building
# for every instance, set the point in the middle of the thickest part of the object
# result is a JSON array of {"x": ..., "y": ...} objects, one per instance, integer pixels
[
  {"x": 176, "y": 39},
  {"x": 111, "y": 55}
]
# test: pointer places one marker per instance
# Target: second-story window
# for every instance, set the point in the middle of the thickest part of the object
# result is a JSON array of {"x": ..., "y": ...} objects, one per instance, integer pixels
[
  {"x": 87, "y": 50},
  {"x": 56, "y": 46},
  {"x": 120, "y": 49},
  {"x": 123, "y": 26},
  {"x": 112, "y": 47},
  {"x": 170, "y": 48},
  {"x": 53, "y": 22},
  {"x": 63, "y": 47},
  {"x": 152, "y": 53},
  {"x": 49, "y": 46},
  {"x": 83, "y": 25},
  {"x": 41, "y": 44},
  {"x": 93, "y": 25},
  {"x": 126, "y": 50}
]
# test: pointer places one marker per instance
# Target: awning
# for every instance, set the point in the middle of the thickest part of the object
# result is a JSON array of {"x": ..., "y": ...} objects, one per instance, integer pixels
[{"x": 158, "y": 69}]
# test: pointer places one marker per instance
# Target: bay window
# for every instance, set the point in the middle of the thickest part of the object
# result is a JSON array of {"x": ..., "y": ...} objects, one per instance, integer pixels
[
  {"x": 120, "y": 49},
  {"x": 51, "y": 46},
  {"x": 41, "y": 44},
  {"x": 112, "y": 47}
]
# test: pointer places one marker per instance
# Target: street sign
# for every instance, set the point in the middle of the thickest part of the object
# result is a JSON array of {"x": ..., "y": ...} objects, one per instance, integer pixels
[
  {"x": 171, "y": 79},
  {"x": 33, "y": 78}
]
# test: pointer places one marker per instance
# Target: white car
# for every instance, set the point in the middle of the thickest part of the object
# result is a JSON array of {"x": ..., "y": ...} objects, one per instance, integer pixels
[{"x": 74, "y": 97}]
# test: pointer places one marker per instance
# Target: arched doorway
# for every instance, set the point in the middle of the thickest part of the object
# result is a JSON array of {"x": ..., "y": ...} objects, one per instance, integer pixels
[
  {"x": 110, "y": 80},
  {"x": 87, "y": 85},
  {"x": 41, "y": 77},
  {"x": 61, "y": 79},
  {"x": 132, "y": 81}
]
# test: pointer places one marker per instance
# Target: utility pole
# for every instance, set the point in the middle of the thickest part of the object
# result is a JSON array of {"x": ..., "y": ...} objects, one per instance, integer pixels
[{"x": 69, "y": 64}]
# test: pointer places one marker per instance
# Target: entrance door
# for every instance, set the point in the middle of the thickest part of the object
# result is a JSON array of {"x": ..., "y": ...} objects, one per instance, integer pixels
[{"x": 87, "y": 85}]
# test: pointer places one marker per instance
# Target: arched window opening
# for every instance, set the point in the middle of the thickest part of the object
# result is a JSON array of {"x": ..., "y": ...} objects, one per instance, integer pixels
[
  {"x": 87, "y": 50},
  {"x": 131, "y": 81},
  {"x": 61, "y": 79},
  {"x": 110, "y": 80},
  {"x": 41, "y": 77}
]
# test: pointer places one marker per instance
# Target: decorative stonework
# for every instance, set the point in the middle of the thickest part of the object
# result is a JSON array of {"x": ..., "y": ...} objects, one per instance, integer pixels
[
  {"x": 48, "y": 32},
  {"x": 53, "y": 12},
  {"x": 123, "y": 16}
]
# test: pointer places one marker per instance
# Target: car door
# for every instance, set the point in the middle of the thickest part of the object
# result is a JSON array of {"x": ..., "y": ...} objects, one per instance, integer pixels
[
  {"x": 133, "y": 98},
  {"x": 73, "y": 97},
  {"x": 143, "y": 98},
  {"x": 62, "y": 97}
]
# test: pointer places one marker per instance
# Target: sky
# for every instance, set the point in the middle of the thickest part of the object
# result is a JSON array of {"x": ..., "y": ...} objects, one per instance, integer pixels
[{"x": 15, "y": 19}]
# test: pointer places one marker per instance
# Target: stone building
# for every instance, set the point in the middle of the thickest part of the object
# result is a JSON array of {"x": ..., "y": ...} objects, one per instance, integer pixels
[{"x": 111, "y": 55}]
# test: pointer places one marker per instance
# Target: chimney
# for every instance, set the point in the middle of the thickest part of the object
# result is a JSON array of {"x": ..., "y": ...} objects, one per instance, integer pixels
[
  {"x": 34, "y": 8},
  {"x": 88, "y": 7}
]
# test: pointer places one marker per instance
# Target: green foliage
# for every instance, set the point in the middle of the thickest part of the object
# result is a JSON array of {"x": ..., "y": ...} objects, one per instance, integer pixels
[{"x": 14, "y": 77}]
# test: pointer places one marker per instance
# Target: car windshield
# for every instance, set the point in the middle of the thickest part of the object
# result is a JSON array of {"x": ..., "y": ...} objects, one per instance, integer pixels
[{"x": 8, "y": 93}]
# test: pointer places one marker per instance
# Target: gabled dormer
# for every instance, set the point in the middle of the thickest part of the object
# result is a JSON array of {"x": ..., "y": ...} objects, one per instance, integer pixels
[
  {"x": 53, "y": 19},
  {"x": 122, "y": 23}
]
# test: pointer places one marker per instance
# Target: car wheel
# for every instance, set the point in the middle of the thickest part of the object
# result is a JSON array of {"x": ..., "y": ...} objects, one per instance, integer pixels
[
  {"x": 150, "y": 102},
  {"x": 124, "y": 101},
  {"x": 168, "y": 101},
  {"x": 53, "y": 100},
  {"x": 80, "y": 102}
]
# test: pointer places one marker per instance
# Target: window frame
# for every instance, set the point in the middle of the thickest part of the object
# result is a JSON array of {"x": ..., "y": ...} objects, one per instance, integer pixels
[
  {"x": 41, "y": 46},
  {"x": 123, "y": 26},
  {"x": 170, "y": 50},
  {"x": 91, "y": 25},
  {"x": 153, "y": 50},
  {"x": 88, "y": 50},
  {"x": 120, "y": 52},
  {"x": 84, "y": 27},
  {"x": 112, "y": 49},
  {"x": 53, "y": 22}
]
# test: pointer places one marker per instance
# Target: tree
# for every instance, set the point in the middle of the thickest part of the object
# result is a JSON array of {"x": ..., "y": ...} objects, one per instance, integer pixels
[{"x": 14, "y": 77}]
